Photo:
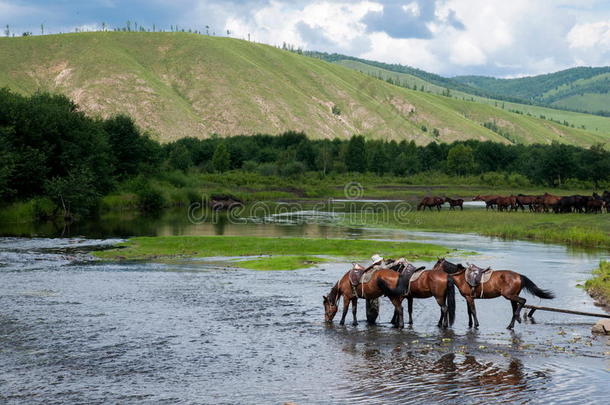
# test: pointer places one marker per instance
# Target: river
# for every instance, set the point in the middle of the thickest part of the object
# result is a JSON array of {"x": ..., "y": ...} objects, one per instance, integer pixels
[{"x": 73, "y": 330}]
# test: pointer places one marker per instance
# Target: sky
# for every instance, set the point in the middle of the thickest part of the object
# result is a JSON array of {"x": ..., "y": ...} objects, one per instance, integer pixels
[{"x": 450, "y": 37}]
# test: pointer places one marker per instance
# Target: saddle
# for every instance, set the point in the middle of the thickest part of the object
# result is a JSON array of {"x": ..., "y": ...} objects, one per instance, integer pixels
[
  {"x": 410, "y": 270},
  {"x": 476, "y": 275},
  {"x": 355, "y": 274}
]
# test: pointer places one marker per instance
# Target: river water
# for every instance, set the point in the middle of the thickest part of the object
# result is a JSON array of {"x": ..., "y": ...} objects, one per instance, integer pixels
[{"x": 73, "y": 330}]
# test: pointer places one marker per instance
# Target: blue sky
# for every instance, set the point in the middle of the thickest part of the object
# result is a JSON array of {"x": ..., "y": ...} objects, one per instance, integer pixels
[{"x": 450, "y": 37}]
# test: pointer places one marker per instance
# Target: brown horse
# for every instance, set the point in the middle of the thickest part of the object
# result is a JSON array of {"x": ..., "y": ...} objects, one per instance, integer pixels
[
  {"x": 455, "y": 203},
  {"x": 370, "y": 290},
  {"x": 429, "y": 202},
  {"x": 505, "y": 283},
  {"x": 431, "y": 283},
  {"x": 490, "y": 200}
]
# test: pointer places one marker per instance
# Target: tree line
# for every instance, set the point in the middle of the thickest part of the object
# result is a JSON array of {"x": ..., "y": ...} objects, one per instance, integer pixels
[{"x": 51, "y": 149}]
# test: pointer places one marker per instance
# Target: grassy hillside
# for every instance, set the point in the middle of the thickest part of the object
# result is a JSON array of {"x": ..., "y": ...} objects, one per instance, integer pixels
[
  {"x": 581, "y": 89},
  {"x": 592, "y": 123},
  {"x": 178, "y": 84}
]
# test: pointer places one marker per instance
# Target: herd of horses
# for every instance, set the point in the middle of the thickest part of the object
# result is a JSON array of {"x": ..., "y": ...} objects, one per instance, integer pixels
[
  {"x": 546, "y": 202},
  {"x": 398, "y": 282}
]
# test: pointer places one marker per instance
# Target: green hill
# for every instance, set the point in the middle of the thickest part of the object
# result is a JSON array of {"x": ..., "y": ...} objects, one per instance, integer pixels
[
  {"x": 582, "y": 89},
  {"x": 179, "y": 84}
]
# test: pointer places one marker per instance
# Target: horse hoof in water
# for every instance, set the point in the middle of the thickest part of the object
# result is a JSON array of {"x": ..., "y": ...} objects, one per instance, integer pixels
[{"x": 354, "y": 323}]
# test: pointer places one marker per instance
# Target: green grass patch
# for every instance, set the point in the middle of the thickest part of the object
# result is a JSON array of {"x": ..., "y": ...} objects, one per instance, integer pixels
[
  {"x": 281, "y": 262},
  {"x": 285, "y": 252},
  {"x": 588, "y": 230},
  {"x": 599, "y": 285}
]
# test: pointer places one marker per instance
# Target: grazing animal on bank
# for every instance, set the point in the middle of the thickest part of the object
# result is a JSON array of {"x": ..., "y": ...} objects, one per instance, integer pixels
[
  {"x": 430, "y": 202},
  {"x": 505, "y": 283},
  {"x": 368, "y": 290},
  {"x": 455, "y": 203},
  {"x": 490, "y": 200},
  {"x": 529, "y": 200},
  {"x": 507, "y": 203},
  {"x": 425, "y": 284},
  {"x": 549, "y": 201}
]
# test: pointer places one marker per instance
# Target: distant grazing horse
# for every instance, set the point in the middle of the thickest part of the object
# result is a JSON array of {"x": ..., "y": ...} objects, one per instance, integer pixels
[
  {"x": 507, "y": 203},
  {"x": 505, "y": 283},
  {"x": 430, "y": 283},
  {"x": 490, "y": 200},
  {"x": 549, "y": 201},
  {"x": 430, "y": 202},
  {"x": 369, "y": 290},
  {"x": 523, "y": 200},
  {"x": 455, "y": 203}
]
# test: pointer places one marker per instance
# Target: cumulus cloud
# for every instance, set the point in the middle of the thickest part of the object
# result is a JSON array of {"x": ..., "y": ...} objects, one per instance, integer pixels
[
  {"x": 449, "y": 37},
  {"x": 588, "y": 35}
]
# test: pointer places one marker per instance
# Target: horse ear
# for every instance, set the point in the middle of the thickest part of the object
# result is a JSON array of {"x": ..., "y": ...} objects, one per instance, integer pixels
[{"x": 325, "y": 298}]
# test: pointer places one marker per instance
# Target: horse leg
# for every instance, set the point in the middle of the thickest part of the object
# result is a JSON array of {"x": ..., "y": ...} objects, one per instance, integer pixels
[
  {"x": 354, "y": 310},
  {"x": 410, "y": 307},
  {"x": 346, "y": 302},
  {"x": 517, "y": 303},
  {"x": 469, "y": 315},
  {"x": 473, "y": 311},
  {"x": 443, "y": 320},
  {"x": 399, "y": 312}
]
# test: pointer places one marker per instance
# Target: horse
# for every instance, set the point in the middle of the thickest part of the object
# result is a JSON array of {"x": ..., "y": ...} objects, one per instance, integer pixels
[
  {"x": 490, "y": 200},
  {"x": 431, "y": 283},
  {"x": 549, "y": 201},
  {"x": 369, "y": 290},
  {"x": 429, "y": 202},
  {"x": 505, "y": 283},
  {"x": 507, "y": 203},
  {"x": 455, "y": 203},
  {"x": 523, "y": 200}
]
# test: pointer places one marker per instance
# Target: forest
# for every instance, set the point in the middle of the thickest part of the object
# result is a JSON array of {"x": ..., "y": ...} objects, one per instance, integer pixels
[{"x": 51, "y": 150}]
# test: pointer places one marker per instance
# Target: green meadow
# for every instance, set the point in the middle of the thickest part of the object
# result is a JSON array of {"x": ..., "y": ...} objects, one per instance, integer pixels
[{"x": 275, "y": 253}]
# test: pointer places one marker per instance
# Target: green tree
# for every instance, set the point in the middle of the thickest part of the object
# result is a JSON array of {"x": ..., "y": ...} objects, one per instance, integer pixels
[
  {"x": 180, "y": 157},
  {"x": 355, "y": 157},
  {"x": 221, "y": 160},
  {"x": 460, "y": 160},
  {"x": 74, "y": 193}
]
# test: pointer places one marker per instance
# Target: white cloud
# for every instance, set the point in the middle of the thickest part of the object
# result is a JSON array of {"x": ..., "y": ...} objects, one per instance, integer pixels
[{"x": 588, "y": 35}]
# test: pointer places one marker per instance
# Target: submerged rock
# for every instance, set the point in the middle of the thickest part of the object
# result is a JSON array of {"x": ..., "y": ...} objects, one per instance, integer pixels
[{"x": 602, "y": 327}]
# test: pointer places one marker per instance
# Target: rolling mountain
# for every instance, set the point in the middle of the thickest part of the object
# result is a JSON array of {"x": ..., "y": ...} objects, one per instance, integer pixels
[
  {"x": 579, "y": 89},
  {"x": 179, "y": 84}
]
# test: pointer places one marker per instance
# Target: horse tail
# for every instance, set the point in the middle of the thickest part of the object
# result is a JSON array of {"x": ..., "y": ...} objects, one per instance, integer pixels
[
  {"x": 451, "y": 299},
  {"x": 534, "y": 289},
  {"x": 401, "y": 285}
]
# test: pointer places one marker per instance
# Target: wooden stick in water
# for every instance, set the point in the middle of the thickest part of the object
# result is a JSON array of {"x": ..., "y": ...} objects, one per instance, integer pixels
[{"x": 567, "y": 311}]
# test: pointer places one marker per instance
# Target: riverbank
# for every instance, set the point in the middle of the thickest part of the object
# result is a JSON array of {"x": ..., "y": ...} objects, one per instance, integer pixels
[
  {"x": 599, "y": 286},
  {"x": 262, "y": 253},
  {"x": 585, "y": 230}
]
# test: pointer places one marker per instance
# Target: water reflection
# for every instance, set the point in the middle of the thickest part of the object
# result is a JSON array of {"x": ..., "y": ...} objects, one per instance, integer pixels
[{"x": 413, "y": 375}]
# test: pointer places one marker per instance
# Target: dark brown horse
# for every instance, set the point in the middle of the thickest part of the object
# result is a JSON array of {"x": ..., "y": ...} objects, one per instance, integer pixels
[
  {"x": 529, "y": 200},
  {"x": 429, "y": 202},
  {"x": 455, "y": 203},
  {"x": 431, "y": 283},
  {"x": 490, "y": 200},
  {"x": 505, "y": 283},
  {"x": 369, "y": 290}
]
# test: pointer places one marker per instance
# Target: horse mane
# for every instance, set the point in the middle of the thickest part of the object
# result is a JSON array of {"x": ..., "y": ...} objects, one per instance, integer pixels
[
  {"x": 452, "y": 268},
  {"x": 333, "y": 296}
]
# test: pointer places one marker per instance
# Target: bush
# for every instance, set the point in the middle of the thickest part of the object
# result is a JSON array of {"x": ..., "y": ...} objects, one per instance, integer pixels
[
  {"x": 268, "y": 169},
  {"x": 292, "y": 169},
  {"x": 44, "y": 208}
]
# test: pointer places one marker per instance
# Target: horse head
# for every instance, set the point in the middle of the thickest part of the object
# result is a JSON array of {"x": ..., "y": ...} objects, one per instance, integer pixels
[{"x": 330, "y": 309}]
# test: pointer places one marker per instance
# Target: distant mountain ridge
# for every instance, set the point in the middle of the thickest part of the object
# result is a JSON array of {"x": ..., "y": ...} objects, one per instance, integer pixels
[{"x": 581, "y": 89}]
